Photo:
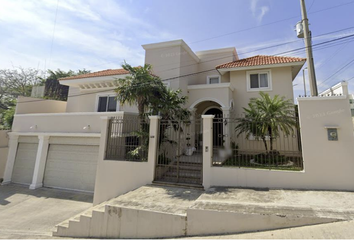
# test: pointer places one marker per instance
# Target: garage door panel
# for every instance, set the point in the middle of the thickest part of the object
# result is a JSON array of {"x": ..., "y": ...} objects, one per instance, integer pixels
[
  {"x": 71, "y": 167},
  {"x": 24, "y": 163}
]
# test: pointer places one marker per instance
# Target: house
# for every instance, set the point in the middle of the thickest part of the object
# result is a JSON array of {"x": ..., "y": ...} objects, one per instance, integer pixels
[{"x": 56, "y": 144}]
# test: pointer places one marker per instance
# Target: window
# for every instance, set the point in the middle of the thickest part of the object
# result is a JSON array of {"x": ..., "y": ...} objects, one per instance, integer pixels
[
  {"x": 258, "y": 81},
  {"x": 213, "y": 79},
  {"x": 107, "y": 104}
]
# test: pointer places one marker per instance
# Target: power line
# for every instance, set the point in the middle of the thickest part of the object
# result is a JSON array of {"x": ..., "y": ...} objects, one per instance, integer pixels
[
  {"x": 267, "y": 24},
  {"x": 51, "y": 45},
  {"x": 246, "y": 29},
  {"x": 186, "y": 75}
]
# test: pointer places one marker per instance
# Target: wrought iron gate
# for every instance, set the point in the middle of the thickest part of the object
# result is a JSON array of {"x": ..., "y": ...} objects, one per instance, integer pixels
[{"x": 180, "y": 158}]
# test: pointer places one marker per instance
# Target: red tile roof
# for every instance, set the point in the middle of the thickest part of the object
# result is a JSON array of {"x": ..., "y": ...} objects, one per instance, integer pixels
[
  {"x": 108, "y": 72},
  {"x": 260, "y": 60}
]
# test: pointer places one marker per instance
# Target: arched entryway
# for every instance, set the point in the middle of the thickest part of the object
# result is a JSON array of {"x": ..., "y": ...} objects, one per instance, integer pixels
[{"x": 218, "y": 131}]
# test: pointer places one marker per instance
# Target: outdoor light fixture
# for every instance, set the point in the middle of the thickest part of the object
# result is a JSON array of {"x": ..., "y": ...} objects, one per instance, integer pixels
[
  {"x": 33, "y": 127},
  {"x": 87, "y": 127}
]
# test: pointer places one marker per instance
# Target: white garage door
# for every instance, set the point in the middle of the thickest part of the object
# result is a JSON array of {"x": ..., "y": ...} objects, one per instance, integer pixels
[
  {"x": 24, "y": 163},
  {"x": 71, "y": 167}
]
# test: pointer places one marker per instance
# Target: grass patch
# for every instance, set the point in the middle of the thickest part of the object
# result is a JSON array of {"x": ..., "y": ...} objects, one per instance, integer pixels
[{"x": 244, "y": 161}]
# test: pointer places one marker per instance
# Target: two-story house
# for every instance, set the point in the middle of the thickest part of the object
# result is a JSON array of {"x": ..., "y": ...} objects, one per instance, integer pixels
[{"x": 55, "y": 144}]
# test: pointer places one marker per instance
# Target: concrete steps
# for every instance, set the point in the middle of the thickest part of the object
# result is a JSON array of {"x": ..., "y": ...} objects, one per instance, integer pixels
[{"x": 167, "y": 211}]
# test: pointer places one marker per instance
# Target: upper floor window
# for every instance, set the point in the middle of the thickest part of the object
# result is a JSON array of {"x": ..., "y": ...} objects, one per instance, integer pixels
[
  {"x": 107, "y": 104},
  {"x": 213, "y": 79},
  {"x": 259, "y": 81}
]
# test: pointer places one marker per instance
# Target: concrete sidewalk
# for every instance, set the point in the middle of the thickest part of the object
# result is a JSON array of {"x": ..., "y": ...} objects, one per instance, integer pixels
[{"x": 338, "y": 230}]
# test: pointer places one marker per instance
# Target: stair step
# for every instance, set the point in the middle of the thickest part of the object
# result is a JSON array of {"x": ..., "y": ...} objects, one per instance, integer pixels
[
  {"x": 185, "y": 185},
  {"x": 193, "y": 175},
  {"x": 181, "y": 180}
]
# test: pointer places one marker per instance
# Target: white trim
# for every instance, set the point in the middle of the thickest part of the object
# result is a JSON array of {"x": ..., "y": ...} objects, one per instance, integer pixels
[
  {"x": 225, "y": 70},
  {"x": 206, "y": 99},
  {"x": 108, "y": 94},
  {"x": 210, "y": 86},
  {"x": 80, "y": 81},
  {"x": 264, "y": 89},
  {"x": 208, "y": 108},
  {"x": 120, "y": 113},
  {"x": 213, "y": 76},
  {"x": 56, "y": 134},
  {"x": 167, "y": 44},
  {"x": 321, "y": 98}
]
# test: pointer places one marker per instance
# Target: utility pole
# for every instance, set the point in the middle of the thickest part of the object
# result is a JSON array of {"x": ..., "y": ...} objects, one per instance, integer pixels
[
  {"x": 303, "y": 76},
  {"x": 308, "y": 46}
]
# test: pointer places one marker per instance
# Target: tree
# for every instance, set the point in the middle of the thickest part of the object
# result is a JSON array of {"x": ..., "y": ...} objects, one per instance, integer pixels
[
  {"x": 18, "y": 82},
  {"x": 14, "y": 83},
  {"x": 267, "y": 117},
  {"x": 53, "y": 89},
  {"x": 152, "y": 97},
  {"x": 140, "y": 87}
]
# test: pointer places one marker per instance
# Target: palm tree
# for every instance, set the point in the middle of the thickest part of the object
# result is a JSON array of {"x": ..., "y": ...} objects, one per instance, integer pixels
[
  {"x": 139, "y": 88},
  {"x": 267, "y": 117}
]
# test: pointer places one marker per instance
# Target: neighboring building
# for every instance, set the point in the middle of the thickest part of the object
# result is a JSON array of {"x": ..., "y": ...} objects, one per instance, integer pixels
[
  {"x": 63, "y": 137},
  {"x": 340, "y": 89}
]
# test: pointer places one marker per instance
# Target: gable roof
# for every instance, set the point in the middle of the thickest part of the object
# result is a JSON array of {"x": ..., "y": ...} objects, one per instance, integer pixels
[
  {"x": 108, "y": 72},
  {"x": 260, "y": 60}
]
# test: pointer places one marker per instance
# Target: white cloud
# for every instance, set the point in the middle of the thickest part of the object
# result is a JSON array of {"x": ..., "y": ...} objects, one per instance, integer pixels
[
  {"x": 258, "y": 11},
  {"x": 88, "y": 34}
]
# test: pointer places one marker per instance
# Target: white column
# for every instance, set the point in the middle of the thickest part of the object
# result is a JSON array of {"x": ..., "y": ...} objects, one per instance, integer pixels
[
  {"x": 41, "y": 159},
  {"x": 207, "y": 149},
  {"x": 11, "y": 156},
  {"x": 153, "y": 143},
  {"x": 226, "y": 128}
]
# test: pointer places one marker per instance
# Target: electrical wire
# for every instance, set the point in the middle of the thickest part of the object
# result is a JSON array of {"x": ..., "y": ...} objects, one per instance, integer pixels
[{"x": 181, "y": 76}]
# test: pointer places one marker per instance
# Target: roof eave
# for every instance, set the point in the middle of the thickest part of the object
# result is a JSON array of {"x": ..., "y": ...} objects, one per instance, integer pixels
[{"x": 225, "y": 70}]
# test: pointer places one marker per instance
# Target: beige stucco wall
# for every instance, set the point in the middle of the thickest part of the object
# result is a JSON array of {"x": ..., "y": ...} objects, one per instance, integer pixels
[
  {"x": 117, "y": 177},
  {"x": 87, "y": 101},
  {"x": 27, "y": 105},
  {"x": 328, "y": 164},
  {"x": 210, "y": 61},
  {"x": 61, "y": 122},
  {"x": 218, "y": 95},
  {"x": 281, "y": 85},
  {"x": 4, "y": 148}
]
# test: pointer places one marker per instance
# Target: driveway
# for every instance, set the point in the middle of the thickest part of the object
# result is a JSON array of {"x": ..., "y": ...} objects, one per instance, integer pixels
[{"x": 26, "y": 213}]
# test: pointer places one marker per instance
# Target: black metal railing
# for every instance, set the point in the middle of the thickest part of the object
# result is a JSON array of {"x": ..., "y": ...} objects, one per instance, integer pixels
[
  {"x": 180, "y": 152},
  {"x": 127, "y": 139},
  {"x": 240, "y": 142}
]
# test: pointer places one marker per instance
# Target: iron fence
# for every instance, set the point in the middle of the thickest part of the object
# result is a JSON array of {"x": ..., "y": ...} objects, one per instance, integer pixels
[
  {"x": 127, "y": 139},
  {"x": 241, "y": 142},
  {"x": 180, "y": 152}
]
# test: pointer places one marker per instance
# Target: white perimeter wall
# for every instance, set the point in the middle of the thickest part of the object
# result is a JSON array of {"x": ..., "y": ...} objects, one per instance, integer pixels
[
  {"x": 27, "y": 105},
  {"x": 328, "y": 164},
  {"x": 114, "y": 178}
]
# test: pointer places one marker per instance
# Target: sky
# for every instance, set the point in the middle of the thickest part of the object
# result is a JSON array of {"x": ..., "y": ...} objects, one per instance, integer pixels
[{"x": 101, "y": 34}]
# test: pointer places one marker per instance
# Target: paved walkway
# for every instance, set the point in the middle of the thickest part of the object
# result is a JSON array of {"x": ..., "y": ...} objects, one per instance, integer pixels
[
  {"x": 28, "y": 213},
  {"x": 338, "y": 230}
]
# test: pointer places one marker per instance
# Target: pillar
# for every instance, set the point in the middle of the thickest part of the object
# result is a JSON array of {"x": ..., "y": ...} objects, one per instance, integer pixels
[
  {"x": 13, "y": 143},
  {"x": 207, "y": 149},
  {"x": 153, "y": 143},
  {"x": 41, "y": 159}
]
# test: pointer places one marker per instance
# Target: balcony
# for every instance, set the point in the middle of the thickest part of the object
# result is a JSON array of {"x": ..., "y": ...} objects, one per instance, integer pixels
[{"x": 219, "y": 93}]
